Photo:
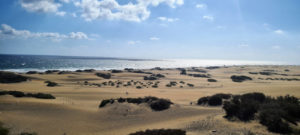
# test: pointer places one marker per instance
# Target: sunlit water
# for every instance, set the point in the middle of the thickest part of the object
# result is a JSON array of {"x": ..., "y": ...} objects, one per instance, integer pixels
[{"x": 24, "y": 63}]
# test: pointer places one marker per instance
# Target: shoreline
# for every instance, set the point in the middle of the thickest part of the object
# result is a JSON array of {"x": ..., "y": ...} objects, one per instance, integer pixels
[{"x": 24, "y": 70}]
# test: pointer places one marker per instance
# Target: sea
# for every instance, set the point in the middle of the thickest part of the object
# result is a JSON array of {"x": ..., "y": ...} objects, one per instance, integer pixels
[{"x": 24, "y": 63}]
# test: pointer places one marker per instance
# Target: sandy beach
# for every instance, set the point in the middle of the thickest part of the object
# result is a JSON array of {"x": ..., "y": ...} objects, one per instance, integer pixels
[{"x": 75, "y": 110}]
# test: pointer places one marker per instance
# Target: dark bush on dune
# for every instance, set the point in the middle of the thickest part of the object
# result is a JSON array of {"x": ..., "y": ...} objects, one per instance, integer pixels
[
  {"x": 241, "y": 78},
  {"x": 19, "y": 94},
  {"x": 202, "y": 101},
  {"x": 31, "y": 72},
  {"x": 16, "y": 93},
  {"x": 103, "y": 75},
  {"x": 160, "y": 132},
  {"x": 154, "y": 77},
  {"x": 275, "y": 113},
  {"x": 183, "y": 72},
  {"x": 41, "y": 96},
  {"x": 211, "y": 80},
  {"x": 160, "y": 104},
  {"x": 9, "y": 77},
  {"x": 3, "y": 130},
  {"x": 116, "y": 71},
  {"x": 51, "y": 84},
  {"x": 51, "y": 71},
  {"x": 156, "y": 104},
  {"x": 106, "y": 101},
  {"x": 214, "y": 100}
]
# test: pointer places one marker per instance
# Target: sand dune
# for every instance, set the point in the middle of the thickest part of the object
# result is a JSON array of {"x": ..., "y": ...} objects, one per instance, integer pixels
[{"x": 75, "y": 110}]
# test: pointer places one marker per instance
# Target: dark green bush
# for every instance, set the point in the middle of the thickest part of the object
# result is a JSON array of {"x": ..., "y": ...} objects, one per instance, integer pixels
[
  {"x": 211, "y": 80},
  {"x": 203, "y": 100},
  {"x": 116, "y": 71},
  {"x": 103, "y": 75},
  {"x": 106, "y": 101},
  {"x": 241, "y": 78},
  {"x": 155, "y": 103},
  {"x": 51, "y": 84},
  {"x": 160, "y": 132},
  {"x": 160, "y": 104},
  {"x": 3, "y": 130},
  {"x": 275, "y": 113},
  {"x": 9, "y": 77},
  {"x": 214, "y": 101}
]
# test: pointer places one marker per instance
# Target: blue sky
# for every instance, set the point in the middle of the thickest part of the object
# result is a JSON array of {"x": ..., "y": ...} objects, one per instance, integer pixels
[{"x": 205, "y": 29}]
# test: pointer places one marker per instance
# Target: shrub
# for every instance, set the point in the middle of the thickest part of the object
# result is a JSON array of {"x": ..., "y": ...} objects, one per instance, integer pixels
[
  {"x": 150, "y": 78},
  {"x": 202, "y": 101},
  {"x": 214, "y": 101},
  {"x": 211, "y": 80},
  {"x": 183, "y": 72},
  {"x": 9, "y": 77},
  {"x": 241, "y": 78},
  {"x": 106, "y": 101},
  {"x": 31, "y": 72},
  {"x": 3, "y": 130},
  {"x": 116, "y": 71},
  {"x": 160, "y": 132},
  {"x": 51, "y": 84},
  {"x": 160, "y": 104},
  {"x": 274, "y": 113},
  {"x": 138, "y": 87},
  {"x": 190, "y": 85},
  {"x": 156, "y": 104},
  {"x": 22, "y": 94},
  {"x": 16, "y": 93},
  {"x": 41, "y": 95},
  {"x": 103, "y": 75},
  {"x": 256, "y": 96}
]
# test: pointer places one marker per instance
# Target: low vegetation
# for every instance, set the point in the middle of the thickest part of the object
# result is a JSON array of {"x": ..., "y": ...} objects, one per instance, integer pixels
[
  {"x": 277, "y": 114},
  {"x": 241, "y": 78},
  {"x": 160, "y": 132},
  {"x": 214, "y": 100},
  {"x": 116, "y": 71},
  {"x": 51, "y": 84},
  {"x": 211, "y": 80},
  {"x": 156, "y": 104},
  {"x": 104, "y": 75},
  {"x": 9, "y": 77},
  {"x": 3, "y": 130},
  {"x": 154, "y": 77},
  {"x": 19, "y": 94}
]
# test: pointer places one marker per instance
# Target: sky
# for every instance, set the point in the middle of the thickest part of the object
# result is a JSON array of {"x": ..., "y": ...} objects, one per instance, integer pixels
[{"x": 265, "y": 30}]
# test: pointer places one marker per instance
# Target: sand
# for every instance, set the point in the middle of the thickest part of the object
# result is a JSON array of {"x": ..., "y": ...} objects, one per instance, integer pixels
[{"x": 75, "y": 110}]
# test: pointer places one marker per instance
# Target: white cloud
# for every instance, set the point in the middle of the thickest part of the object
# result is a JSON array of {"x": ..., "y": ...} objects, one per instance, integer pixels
[
  {"x": 276, "y": 47},
  {"x": 208, "y": 17},
  {"x": 112, "y": 10},
  {"x": 78, "y": 35},
  {"x": 154, "y": 38},
  {"x": 201, "y": 6},
  {"x": 42, "y": 6},
  {"x": 9, "y": 32},
  {"x": 167, "y": 19},
  {"x": 133, "y": 42},
  {"x": 61, "y": 13},
  {"x": 280, "y": 32}
]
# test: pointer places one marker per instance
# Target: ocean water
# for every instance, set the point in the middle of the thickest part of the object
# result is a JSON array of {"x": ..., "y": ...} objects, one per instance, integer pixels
[{"x": 24, "y": 63}]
